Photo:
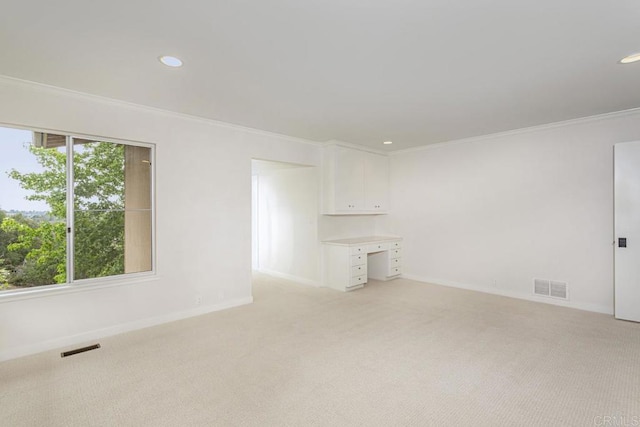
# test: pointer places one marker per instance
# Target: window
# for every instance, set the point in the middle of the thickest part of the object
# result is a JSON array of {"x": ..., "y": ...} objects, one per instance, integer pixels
[{"x": 72, "y": 209}]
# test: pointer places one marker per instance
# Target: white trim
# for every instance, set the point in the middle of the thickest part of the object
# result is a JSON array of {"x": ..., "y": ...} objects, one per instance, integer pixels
[
  {"x": 69, "y": 231},
  {"x": 118, "y": 329},
  {"x": 75, "y": 135},
  {"x": 521, "y": 131},
  {"x": 290, "y": 277},
  {"x": 355, "y": 146},
  {"x": 82, "y": 286},
  {"x": 97, "y": 282},
  {"x": 146, "y": 108},
  {"x": 154, "y": 211},
  {"x": 597, "y": 308}
]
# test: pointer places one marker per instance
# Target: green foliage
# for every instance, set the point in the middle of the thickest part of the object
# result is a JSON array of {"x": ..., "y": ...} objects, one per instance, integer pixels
[
  {"x": 99, "y": 210},
  {"x": 12, "y": 256},
  {"x": 4, "y": 276},
  {"x": 99, "y": 244},
  {"x": 49, "y": 185},
  {"x": 45, "y": 247},
  {"x": 99, "y": 177},
  {"x": 35, "y": 252}
]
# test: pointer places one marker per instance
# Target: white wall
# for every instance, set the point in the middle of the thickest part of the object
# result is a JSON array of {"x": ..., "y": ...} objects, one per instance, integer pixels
[
  {"x": 345, "y": 226},
  {"x": 203, "y": 201},
  {"x": 490, "y": 214},
  {"x": 493, "y": 213},
  {"x": 254, "y": 222},
  {"x": 287, "y": 215}
]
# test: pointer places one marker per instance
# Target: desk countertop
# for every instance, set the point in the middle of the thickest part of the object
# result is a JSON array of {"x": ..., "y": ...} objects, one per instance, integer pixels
[{"x": 353, "y": 241}]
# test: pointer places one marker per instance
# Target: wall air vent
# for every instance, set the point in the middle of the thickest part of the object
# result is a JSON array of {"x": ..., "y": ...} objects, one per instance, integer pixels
[
  {"x": 551, "y": 288},
  {"x": 541, "y": 287},
  {"x": 559, "y": 290}
]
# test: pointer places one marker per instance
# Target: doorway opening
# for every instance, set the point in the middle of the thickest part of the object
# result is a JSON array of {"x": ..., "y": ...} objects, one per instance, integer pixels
[{"x": 284, "y": 217}]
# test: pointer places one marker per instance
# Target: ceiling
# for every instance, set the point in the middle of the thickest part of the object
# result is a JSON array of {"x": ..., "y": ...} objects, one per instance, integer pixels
[{"x": 412, "y": 71}]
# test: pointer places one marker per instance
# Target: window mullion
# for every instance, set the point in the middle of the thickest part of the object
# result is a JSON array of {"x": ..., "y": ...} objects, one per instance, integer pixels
[{"x": 70, "y": 212}]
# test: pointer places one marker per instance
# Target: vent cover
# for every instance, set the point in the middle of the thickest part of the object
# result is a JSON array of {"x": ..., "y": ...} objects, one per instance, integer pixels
[
  {"x": 541, "y": 287},
  {"x": 551, "y": 288},
  {"x": 558, "y": 289},
  {"x": 79, "y": 350}
]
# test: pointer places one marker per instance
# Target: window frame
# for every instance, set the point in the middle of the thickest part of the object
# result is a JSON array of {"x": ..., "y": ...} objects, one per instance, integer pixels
[{"x": 72, "y": 285}]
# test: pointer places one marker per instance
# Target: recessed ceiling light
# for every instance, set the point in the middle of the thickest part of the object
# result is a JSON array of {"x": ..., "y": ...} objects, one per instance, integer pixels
[
  {"x": 170, "y": 61},
  {"x": 631, "y": 58},
  {"x": 388, "y": 142}
]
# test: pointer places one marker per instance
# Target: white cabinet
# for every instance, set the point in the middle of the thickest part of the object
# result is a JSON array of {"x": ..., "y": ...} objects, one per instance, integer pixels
[
  {"x": 376, "y": 182},
  {"x": 348, "y": 179},
  {"x": 354, "y": 181},
  {"x": 386, "y": 264},
  {"x": 349, "y": 262},
  {"x": 345, "y": 271}
]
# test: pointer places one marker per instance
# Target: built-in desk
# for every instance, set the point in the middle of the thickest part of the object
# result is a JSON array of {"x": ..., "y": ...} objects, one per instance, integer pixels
[{"x": 349, "y": 262}]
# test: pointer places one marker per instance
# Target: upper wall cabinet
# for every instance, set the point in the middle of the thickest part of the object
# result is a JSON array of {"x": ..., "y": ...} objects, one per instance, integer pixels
[{"x": 354, "y": 181}]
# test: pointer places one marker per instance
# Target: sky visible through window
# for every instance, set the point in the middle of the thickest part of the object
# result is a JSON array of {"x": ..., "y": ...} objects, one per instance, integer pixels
[{"x": 14, "y": 154}]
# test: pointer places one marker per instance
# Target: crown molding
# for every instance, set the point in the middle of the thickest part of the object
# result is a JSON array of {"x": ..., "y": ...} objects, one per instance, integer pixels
[
  {"x": 522, "y": 131},
  {"x": 355, "y": 146},
  {"x": 149, "y": 109}
]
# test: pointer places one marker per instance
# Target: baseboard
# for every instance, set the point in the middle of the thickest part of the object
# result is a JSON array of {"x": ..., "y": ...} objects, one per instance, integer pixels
[
  {"x": 506, "y": 293},
  {"x": 118, "y": 329},
  {"x": 290, "y": 277}
]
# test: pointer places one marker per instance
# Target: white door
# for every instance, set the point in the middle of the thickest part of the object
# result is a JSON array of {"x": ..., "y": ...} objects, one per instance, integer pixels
[{"x": 627, "y": 226}]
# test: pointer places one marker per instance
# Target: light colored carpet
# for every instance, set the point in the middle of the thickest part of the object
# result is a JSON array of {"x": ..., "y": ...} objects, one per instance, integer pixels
[{"x": 395, "y": 353}]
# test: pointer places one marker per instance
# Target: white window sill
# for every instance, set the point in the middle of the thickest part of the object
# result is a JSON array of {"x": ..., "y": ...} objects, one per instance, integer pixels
[{"x": 82, "y": 286}]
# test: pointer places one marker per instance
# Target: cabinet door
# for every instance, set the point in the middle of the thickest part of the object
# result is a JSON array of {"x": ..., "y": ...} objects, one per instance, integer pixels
[
  {"x": 349, "y": 179},
  {"x": 376, "y": 182}
]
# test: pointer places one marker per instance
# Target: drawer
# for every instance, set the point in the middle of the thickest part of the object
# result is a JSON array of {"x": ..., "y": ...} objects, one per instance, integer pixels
[
  {"x": 394, "y": 271},
  {"x": 395, "y": 245},
  {"x": 377, "y": 247},
  {"x": 358, "y": 260},
  {"x": 395, "y": 253},
  {"x": 395, "y": 262},
  {"x": 358, "y": 270},
  {"x": 356, "y": 250},
  {"x": 358, "y": 280}
]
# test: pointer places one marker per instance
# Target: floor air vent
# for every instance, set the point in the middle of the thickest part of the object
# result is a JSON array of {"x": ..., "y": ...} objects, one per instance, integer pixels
[
  {"x": 550, "y": 288},
  {"x": 79, "y": 350}
]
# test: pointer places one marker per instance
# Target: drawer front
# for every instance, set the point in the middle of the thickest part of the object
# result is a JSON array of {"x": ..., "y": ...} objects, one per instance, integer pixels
[
  {"x": 394, "y": 271},
  {"x": 358, "y": 270},
  {"x": 377, "y": 247},
  {"x": 358, "y": 260},
  {"x": 395, "y": 253},
  {"x": 395, "y": 262},
  {"x": 358, "y": 250},
  {"x": 358, "y": 280},
  {"x": 395, "y": 245}
]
